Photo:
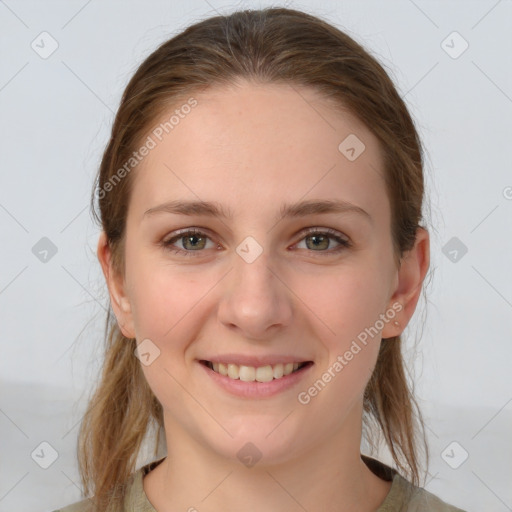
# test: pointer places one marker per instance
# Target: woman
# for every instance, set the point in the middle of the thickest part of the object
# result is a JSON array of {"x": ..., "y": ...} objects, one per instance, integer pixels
[{"x": 260, "y": 201}]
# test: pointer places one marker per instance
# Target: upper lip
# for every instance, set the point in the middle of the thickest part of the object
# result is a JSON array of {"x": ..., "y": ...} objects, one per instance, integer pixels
[{"x": 255, "y": 361}]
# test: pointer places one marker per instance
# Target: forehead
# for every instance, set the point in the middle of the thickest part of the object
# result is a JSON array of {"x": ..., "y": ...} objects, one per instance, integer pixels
[{"x": 251, "y": 146}]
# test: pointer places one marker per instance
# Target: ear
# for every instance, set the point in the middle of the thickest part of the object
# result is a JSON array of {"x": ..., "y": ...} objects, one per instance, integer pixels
[
  {"x": 116, "y": 288},
  {"x": 409, "y": 280}
]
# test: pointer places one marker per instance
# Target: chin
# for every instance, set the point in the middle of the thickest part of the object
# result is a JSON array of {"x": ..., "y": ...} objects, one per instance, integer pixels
[{"x": 257, "y": 442}]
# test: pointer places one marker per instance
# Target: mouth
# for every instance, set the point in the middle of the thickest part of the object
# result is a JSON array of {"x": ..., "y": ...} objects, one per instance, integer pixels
[{"x": 266, "y": 373}]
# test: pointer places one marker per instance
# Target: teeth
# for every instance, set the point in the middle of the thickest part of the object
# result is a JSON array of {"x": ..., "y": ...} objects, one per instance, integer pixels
[
  {"x": 247, "y": 373},
  {"x": 264, "y": 373},
  {"x": 278, "y": 371},
  {"x": 251, "y": 373},
  {"x": 233, "y": 371}
]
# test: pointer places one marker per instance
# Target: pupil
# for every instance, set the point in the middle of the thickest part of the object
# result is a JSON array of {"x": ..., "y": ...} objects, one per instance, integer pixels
[
  {"x": 317, "y": 240},
  {"x": 191, "y": 239}
]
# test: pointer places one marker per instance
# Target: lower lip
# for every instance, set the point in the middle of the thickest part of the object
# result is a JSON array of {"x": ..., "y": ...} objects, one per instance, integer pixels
[{"x": 255, "y": 389}]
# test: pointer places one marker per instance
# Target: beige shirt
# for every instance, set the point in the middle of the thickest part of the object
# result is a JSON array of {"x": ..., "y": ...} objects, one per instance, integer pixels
[{"x": 402, "y": 497}]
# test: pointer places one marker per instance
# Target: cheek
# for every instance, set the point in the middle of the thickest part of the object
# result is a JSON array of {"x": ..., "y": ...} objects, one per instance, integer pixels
[
  {"x": 166, "y": 309},
  {"x": 347, "y": 301},
  {"x": 162, "y": 295},
  {"x": 350, "y": 303}
]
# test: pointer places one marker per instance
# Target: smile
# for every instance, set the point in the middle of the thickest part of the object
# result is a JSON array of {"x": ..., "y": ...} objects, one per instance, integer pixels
[{"x": 266, "y": 373}]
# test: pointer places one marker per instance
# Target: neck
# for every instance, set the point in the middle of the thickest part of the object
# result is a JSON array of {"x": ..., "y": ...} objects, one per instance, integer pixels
[{"x": 330, "y": 477}]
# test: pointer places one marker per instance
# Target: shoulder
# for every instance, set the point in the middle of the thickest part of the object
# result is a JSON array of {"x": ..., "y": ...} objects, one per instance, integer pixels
[
  {"x": 80, "y": 506},
  {"x": 403, "y": 495},
  {"x": 406, "y": 497},
  {"x": 134, "y": 495}
]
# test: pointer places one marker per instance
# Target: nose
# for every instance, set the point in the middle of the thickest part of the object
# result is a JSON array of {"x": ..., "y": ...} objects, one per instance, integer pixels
[{"x": 255, "y": 299}]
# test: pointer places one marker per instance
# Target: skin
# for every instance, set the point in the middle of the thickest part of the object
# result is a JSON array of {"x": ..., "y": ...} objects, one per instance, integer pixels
[{"x": 251, "y": 148}]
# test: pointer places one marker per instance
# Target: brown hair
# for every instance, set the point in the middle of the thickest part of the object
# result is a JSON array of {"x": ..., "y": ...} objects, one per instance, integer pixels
[{"x": 273, "y": 45}]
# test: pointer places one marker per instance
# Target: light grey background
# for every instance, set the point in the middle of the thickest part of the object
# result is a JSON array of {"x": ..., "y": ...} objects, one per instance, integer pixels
[{"x": 56, "y": 113}]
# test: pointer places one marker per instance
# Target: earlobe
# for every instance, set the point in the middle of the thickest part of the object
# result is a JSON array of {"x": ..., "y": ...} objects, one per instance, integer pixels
[
  {"x": 118, "y": 299},
  {"x": 124, "y": 304},
  {"x": 410, "y": 277}
]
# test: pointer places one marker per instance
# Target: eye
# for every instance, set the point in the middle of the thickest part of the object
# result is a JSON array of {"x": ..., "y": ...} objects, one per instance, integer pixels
[
  {"x": 192, "y": 240},
  {"x": 321, "y": 239}
]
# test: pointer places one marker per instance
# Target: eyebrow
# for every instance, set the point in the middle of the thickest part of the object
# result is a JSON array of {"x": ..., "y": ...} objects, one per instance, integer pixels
[{"x": 300, "y": 209}]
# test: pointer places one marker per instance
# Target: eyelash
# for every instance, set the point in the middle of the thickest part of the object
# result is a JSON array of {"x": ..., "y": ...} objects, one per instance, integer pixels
[{"x": 344, "y": 244}]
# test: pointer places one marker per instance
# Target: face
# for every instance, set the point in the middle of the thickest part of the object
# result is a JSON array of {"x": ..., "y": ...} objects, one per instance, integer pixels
[{"x": 264, "y": 274}]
